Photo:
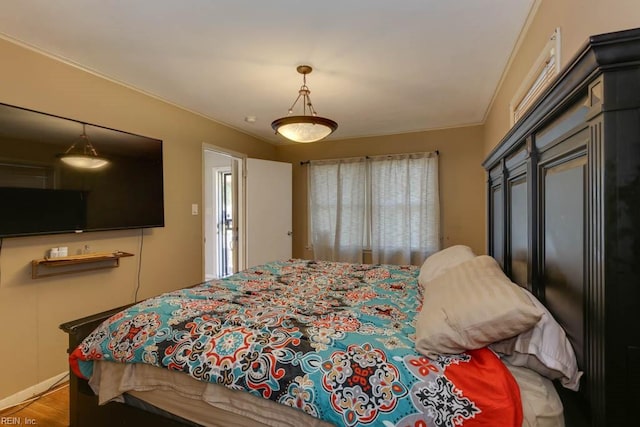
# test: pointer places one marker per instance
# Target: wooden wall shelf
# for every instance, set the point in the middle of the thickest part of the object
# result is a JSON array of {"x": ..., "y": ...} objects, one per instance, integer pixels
[{"x": 96, "y": 261}]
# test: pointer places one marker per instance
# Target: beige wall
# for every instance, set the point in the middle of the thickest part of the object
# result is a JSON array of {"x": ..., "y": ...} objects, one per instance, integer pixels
[
  {"x": 461, "y": 178},
  {"x": 577, "y": 19},
  {"x": 31, "y": 310}
]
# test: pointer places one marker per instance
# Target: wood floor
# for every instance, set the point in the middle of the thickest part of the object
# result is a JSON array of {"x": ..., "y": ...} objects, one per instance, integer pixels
[{"x": 50, "y": 410}]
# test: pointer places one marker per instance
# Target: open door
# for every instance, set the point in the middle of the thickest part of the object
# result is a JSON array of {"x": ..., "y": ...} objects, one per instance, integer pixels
[
  {"x": 225, "y": 224},
  {"x": 223, "y": 251},
  {"x": 268, "y": 211},
  {"x": 247, "y": 215}
]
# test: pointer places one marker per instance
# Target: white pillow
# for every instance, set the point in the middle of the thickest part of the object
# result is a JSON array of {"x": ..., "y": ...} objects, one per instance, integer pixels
[
  {"x": 470, "y": 306},
  {"x": 544, "y": 349},
  {"x": 439, "y": 262}
]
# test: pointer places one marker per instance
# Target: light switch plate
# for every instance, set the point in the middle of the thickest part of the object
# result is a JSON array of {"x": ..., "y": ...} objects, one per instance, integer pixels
[{"x": 194, "y": 209}]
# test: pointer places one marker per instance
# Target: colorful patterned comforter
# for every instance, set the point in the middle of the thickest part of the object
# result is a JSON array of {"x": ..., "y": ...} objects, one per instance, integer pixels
[{"x": 332, "y": 339}]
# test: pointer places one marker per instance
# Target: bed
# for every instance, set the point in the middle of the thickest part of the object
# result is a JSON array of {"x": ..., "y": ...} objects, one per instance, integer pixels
[
  {"x": 562, "y": 204},
  {"x": 335, "y": 341}
]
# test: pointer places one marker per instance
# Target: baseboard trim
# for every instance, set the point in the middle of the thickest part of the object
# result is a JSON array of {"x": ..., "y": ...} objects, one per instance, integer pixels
[{"x": 30, "y": 392}]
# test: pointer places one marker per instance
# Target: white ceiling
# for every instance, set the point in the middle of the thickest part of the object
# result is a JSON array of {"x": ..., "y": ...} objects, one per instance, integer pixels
[{"x": 380, "y": 66}]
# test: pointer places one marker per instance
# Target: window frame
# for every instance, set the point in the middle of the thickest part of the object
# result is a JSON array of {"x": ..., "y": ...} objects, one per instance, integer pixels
[{"x": 545, "y": 68}]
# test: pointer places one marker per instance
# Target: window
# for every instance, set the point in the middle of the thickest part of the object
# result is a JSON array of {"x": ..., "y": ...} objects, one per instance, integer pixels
[
  {"x": 338, "y": 191},
  {"x": 389, "y": 204},
  {"x": 546, "y": 67}
]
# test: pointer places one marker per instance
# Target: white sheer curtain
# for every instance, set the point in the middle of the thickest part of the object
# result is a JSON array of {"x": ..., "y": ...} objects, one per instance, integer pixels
[
  {"x": 337, "y": 190},
  {"x": 405, "y": 208}
]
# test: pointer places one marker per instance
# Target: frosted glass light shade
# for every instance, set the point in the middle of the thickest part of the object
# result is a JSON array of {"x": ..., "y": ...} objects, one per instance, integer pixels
[
  {"x": 304, "y": 128},
  {"x": 81, "y": 161}
]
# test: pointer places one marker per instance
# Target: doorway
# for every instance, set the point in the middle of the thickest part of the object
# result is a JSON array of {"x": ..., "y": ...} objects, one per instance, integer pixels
[
  {"x": 225, "y": 226},
  {"x": 242, "y": 195},
  {"x": 223, "y": 213}
]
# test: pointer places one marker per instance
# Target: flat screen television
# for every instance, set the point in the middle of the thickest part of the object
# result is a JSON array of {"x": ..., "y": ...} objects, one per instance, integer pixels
[{"x": 41, "y": 194}]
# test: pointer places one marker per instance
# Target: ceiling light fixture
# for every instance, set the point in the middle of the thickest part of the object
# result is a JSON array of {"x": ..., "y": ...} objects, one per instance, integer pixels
[
  {"x": 304, "y": 128},
  {"x": 85, "y": 157}
]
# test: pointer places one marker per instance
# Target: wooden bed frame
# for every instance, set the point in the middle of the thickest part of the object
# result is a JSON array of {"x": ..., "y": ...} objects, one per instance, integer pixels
[
  {"x": 564, "y": 201},
  {"x": 563, "y": 194},
  {"x": 83, "y": 403}
]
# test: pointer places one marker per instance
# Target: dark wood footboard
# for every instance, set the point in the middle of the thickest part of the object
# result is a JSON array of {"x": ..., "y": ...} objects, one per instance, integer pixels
[{"x": 84, "y": 410}]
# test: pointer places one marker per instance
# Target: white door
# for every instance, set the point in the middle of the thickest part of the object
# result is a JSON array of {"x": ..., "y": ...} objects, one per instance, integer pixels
[{"x": 268, "y": 211}]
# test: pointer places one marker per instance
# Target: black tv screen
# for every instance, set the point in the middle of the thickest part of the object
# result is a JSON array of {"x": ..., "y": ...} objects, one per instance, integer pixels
[{"x": 41, "y": 194}]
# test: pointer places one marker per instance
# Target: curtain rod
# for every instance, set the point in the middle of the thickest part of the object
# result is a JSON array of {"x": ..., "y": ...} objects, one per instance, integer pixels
[{"x": 306, "y": 162}]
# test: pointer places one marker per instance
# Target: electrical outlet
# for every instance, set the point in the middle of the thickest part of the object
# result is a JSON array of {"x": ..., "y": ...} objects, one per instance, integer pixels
[{"x": 194, "y": 209}]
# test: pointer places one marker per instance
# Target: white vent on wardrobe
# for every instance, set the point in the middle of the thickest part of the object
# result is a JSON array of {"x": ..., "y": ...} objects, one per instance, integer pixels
[{"x": 545, "y": 68}]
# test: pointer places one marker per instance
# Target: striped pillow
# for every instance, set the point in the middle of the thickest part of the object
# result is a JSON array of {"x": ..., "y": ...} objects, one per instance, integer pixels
[
  {"x": 439, "y": 262},
  {"x": 471, "y": 306}
]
